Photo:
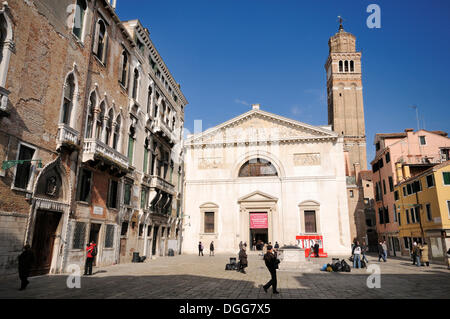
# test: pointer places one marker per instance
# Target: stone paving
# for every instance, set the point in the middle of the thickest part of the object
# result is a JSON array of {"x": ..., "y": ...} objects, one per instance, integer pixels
[{"x": 193, "y": 277}]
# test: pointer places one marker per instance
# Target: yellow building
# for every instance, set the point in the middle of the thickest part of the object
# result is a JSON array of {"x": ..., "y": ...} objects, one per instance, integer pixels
[{"x": 422, "y": 208}]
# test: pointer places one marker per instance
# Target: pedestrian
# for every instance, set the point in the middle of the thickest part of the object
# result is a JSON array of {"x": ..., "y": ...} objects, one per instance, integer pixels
[
  {"x": 356, "y": 255},
  {"x": 254, "y": 245},
  {"x": 264, "y": 249},
  {"x": 448, "y": 259},
  {"x": 311, "y": 251},
  {"x": 26, "y": 259},
  {"x": 384, "y": 250},
  {"x": 243, "y": 263},
  {"x": 381, "y": 252},
  {"x": 211, "y": 249},
  {"x": 417, "y": 254},
  {"x": 272, "y": 265},
  {"x": 413, "y": 252},
  {"x": 200, "y": 248},
  {"x": 424, "y": 254},
  {"x": 316, "y": 249},
  {"x": 276, "y": 246},
  {"x": 91, "y": 252},
  {"x": 364, "y": 250}
]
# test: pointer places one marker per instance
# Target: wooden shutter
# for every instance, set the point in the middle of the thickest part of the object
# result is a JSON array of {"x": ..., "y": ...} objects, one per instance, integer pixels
[
  {"x": 105, "y": 47},
  {"x": 209, "y": 222},
  {"x": 121, "y": 79},
  {"x": 310, "y": 221},
  {"x": 97, "y": 32}
]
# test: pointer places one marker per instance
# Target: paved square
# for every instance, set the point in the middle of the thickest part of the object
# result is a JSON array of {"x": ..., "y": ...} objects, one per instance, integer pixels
[{"x": 193, "y": 277}]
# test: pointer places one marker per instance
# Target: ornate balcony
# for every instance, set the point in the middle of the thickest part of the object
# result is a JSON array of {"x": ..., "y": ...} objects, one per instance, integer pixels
[
  {"x": 162, "y": 129},
  {"x": 94, "y": 149},
  {"x": 160, "y": 183},
  {"x": 67, "y": 136},
  {"x": 4, "y": 109}
]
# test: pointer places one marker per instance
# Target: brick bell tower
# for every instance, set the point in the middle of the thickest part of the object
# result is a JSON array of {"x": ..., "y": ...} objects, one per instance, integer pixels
[{"x": 345, "y": 99}]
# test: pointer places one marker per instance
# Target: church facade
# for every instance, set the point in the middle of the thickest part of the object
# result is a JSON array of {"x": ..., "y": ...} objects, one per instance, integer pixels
[{"x": 263, "y": 177}]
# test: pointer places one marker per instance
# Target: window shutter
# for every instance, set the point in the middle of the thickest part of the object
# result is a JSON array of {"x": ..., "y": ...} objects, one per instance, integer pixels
[
  {"x": 121, "y": 79},
  {"x": 105, "y": 48},
  {"x": 97, "y": 32}
]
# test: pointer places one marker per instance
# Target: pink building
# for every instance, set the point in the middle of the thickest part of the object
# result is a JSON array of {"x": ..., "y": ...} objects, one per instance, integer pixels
[{"x": 417, "y": 150}]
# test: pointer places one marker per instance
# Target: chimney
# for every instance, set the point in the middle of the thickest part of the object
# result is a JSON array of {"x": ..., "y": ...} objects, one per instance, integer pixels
[{"x": 255, "y": 106}]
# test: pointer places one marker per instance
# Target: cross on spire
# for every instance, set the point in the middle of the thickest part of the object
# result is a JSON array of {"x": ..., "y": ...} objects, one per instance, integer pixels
[{"x": 340, "y": 23}]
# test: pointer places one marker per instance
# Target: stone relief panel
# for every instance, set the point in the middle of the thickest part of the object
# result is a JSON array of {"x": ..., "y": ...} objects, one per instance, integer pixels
[
  {"x": 307, "y": 159},
  {"x": 210, "y": 162}
]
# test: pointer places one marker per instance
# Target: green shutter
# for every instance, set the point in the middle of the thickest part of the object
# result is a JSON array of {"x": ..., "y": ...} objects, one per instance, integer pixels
[
  {"x": 130, "y": 149},
  {"x": 446, "y": 178},
  {"x": 145, "y": 160}
]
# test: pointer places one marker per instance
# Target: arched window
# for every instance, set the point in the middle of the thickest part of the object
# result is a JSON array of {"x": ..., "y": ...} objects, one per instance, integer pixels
[
  {"x": 257, "y": 167},
  {"x": 69, "y": 90},
  {"x": 108, "y": 127},
  {"x": 116, "y": 134},
  {"x": 352, "y": 66},
  {"x": 123, "y": 69},
  {"x": 135, "y": 84},
  {"x": 173, "y": 123},
  {"x": 6, "y": 48},
  {"x": 341, "y": 68},
  {"x": 90, "y": 115},
  {"x": 100, "y": 41},
  {"x": 100, "y": 118},
  {"x": 149, "y": 100},
  {"x": 155, "y": 111},
  {"x": 131, "y": 141},
  {"x": 146, "y": 151},
  {"x": 346, "y": 66},
  {"x": 78, "y": 22}
]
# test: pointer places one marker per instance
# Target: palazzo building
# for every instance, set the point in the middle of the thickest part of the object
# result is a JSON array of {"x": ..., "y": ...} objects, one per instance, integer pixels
[{"x": 91, "y": 124}]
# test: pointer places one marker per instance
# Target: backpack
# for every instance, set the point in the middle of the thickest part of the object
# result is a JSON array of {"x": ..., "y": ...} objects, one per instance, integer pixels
[
  {"x": 329, "y": 268},
  {"x": 357, "y": 250},
  {"x": 345, "y": 266},
  {"x": 363, "y": 264},
  {"x": 94, "y": 251}
]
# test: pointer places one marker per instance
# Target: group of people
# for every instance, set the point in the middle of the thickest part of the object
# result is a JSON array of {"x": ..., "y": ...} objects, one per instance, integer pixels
[
  {"x": 201, "y": 248},
  {"x": 382, "y": 251},
  {"x": 419, "y": 254}
]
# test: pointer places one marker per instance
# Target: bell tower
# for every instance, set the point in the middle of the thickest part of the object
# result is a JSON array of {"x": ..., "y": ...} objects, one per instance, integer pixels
[{"x": 345, "y": 99}]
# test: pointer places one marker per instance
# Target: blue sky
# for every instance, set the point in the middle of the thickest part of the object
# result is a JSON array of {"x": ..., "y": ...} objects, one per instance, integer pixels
[{"x": 230, "y": 54}]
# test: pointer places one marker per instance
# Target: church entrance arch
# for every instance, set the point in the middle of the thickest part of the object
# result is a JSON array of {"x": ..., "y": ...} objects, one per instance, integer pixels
[{"x": 257, "y": 218}]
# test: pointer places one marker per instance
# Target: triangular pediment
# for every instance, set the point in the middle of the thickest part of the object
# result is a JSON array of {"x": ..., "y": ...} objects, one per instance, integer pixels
[
  {"x": 257, "y": 196},
  {"x": 260, "y": 126}
]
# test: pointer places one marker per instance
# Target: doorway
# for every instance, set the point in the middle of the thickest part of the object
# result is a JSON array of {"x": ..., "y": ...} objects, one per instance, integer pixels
[
  {"x": 93, "y": 237},
  {"x": 43, "y": 241},
  {"x": 259, "y": 237},
  {"x": 155, "y": 237}
]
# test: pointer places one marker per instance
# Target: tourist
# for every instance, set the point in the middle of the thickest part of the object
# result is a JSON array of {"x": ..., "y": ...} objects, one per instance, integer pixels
[
  {"x": 243, "y": 262},
  {"x": 240, "y": 245},
  {"x": 356, "y": 255},
  {"x": 424, "y": 254},
  {"x": 200, "y": 248},
  {"x": 381, "y": 252},
  {"x": 211, "y": 249},
  {"x": 254, "y": 244},
  {"x": 417, "y": 254},
  {"x": 384, "y": 250},
  {"x": 276, "y": 246},
  {"x": 316, "y": 249},
  {"x": 364, "y": 250},
  {"x": 272, "y": 265},
  {"x": 413, "y": 253},
  {"x": 26, "y": 259},
  {"x": 91, "y": 252},
  {"x": 448, "y": 259},
  {"x": 311, "y": 251}
]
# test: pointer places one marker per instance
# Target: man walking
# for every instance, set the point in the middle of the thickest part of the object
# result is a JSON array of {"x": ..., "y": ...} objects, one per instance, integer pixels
[
  {"x": 414, "y": 253},
  {"x": 26, "y": 259},
  {"x": 384, "y": 250},
  {"x": 91, "y": 250},
  {"x": 316, "y": 249},
  {"x": 381, "y": 252},
  {"x": 272, "y": 265},
  {"x": 424, "y": 260},
  {"x": 364, "y": 250},
  {"x": 243, "y": 263},
  {"x": 417, "y": 254},
  {"x": 200, "y": 248},
  {"x": 211, "y": 249}
]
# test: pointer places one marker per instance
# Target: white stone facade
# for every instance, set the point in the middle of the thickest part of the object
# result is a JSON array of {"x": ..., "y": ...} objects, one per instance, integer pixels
[{"x": 310, "y": 165}]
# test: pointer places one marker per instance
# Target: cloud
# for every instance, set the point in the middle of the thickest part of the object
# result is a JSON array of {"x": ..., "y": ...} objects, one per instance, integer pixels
[
  {"x": 319, "y": 93},
  {"x": 296, "y": 111},
  {"x": 241, "y": 102}
]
